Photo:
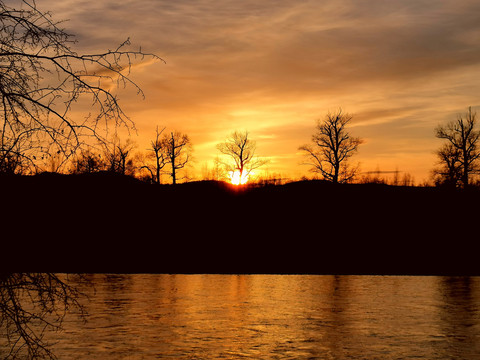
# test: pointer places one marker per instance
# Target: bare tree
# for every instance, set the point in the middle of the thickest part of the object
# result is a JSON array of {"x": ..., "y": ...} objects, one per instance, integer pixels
[
  {"x": 332, "y": 147},
  {"x": 31, "y": 304},
  {"x": 217, "y": 172},
  {"x": 240, "y": 151},
  {"x": 118, "y": 156},
  {"x": 12, "y": 160},
  {"x": 449, "y": 172},
  {"x": 158, "y": 151},
  {"x": 87, "y": 162},
  {"x": 42, "y": 77},
  {"x": 460, "y": 156},
  {"x": 16, "y": 152},
  {"x": 178, "y": 151}
]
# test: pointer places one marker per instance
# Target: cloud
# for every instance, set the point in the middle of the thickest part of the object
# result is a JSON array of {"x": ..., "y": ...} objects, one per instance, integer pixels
[
  {"x": 275, "y": 66},
  {"x": 288, "y": 48}
]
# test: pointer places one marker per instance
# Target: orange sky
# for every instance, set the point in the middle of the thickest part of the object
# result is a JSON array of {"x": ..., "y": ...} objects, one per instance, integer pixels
[{"x": 273, "y": 67}]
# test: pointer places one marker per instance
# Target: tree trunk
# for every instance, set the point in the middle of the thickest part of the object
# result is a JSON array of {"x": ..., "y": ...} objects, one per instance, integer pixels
[
  {"x": 465, "y": 169},
  {"x": 158, "y": 170},
  {"x": 174, "y": 179}
]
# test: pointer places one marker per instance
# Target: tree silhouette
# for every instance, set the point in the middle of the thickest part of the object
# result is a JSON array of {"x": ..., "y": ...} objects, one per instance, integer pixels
[
  {"x": 178, "y": 150},
  {"x": 240, "y": 150},
  {"x": 450, "y": 171},
  {"x": 12, "y": 160},
  {"x": 460, "y": 156},
  {"x": 217, "y": 172},
  {"x": 158, "y": 151},
  {"x": 31, "y": 304},
  {"x": 332, "y": 147},
  {"x": 87, "y": 162},
  {"x": 116, "y": 154},
  {"x": 42, "y": 77}
]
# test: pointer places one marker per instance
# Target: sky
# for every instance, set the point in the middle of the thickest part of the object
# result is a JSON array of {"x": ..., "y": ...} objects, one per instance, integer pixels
[{"x": 400, "y": 68}]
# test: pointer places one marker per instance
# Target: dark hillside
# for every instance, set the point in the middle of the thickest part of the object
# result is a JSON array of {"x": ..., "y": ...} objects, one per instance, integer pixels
[{"x": 110, "y": 223}]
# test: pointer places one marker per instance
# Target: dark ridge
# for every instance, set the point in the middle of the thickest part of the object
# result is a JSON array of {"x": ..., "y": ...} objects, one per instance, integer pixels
[{"x": 111, "y": 223}]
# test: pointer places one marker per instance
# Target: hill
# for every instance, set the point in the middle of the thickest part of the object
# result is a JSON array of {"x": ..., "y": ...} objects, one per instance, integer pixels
[{"x": 110, "y": 223}]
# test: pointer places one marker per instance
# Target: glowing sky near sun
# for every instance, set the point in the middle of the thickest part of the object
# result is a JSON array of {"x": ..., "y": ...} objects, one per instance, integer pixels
[{"x": 273, "y": 67}]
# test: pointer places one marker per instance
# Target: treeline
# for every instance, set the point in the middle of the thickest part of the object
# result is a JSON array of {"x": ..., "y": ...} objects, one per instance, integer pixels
[
  {"x": 169, "y": 156},
  {"x": 166, "y": 160}
]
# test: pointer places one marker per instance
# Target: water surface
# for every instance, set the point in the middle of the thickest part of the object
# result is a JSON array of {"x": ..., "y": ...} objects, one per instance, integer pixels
[{"x": 275, "y": 317}]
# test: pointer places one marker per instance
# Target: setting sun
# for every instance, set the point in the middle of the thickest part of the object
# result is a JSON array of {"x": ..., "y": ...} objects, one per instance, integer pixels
[{"x": 238, "y": 179}]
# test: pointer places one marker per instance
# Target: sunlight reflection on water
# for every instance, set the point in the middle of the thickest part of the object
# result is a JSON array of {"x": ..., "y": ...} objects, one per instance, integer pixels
[{"x": 275, "y": 317}]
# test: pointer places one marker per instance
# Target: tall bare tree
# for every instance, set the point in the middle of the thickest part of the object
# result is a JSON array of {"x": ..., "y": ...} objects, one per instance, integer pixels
[
  {"x": 332, "y": 147},
  {"x": 178, "y": 149},
  {"x": 158, "y": 151},
  {"x": 42, "y": 77},
  {"x": 460, "y": 156},
  {"x": 240, "y": 151}
]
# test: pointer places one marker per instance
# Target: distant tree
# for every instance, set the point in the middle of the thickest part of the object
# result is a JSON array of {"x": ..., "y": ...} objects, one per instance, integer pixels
[
  {"x": 407, "y": 180},
  {"x": 271, "y": 179},
  {"x": 158, "y": 151},
  {"x": 459, "y": 157},
  {"x": 332, "y": 147},
  {"x": 41, "y": 79},
  {"x": 240, "y": 151},
  {"x": 178, "y": 149},
  {"x": 30, "y": 305},
  {"x": 380, "y": 177},
  {"x": 449, "y": 172},
  {"x": 54, "y": 160},
  {"x": 118, "y": 156},
  {"x": 12, "y": 160},
  {"x": 217, "y": 172},
  {"x": 13, "y": 152},
  {"x": 87, "y": 162}
]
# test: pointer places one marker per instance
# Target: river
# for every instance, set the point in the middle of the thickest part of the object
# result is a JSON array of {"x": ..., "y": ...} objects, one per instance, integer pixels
[{"x": 153, "y": 316}]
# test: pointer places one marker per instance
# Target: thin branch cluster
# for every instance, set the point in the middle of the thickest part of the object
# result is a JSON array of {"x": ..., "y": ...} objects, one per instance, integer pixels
[
  {"x": 459, "y": 156},
  {"x": 30, "y": 305},
  {"x": 177, "y": 151},
  {"x": 41, "y": 77},
  {"x": 240, "y": 150},
  {"x": 332, "y": 147}
]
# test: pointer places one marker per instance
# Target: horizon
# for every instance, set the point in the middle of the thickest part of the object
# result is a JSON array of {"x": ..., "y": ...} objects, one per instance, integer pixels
[{"x": 400, "y": 69}]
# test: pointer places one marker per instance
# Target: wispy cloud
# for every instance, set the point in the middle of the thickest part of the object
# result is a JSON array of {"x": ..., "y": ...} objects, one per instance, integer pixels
[{"x": 276, "y": 65}]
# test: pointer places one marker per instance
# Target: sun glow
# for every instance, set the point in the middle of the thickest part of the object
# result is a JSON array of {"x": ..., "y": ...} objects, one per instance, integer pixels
[{"x": 237, "y": 179}]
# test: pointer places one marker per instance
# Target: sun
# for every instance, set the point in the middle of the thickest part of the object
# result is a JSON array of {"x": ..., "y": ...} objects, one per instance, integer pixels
[{"x": 237, "y": 179}]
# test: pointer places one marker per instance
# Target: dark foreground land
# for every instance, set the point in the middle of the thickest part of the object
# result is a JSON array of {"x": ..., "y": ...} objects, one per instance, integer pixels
[{"x": 110, "y": 223}]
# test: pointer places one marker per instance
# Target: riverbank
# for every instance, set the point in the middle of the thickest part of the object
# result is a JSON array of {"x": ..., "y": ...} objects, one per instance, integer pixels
[{"x": 110, "y": 223}]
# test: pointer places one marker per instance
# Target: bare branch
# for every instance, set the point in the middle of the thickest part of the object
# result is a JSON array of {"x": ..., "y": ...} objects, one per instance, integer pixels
[
  {"x": 178, "y": 149},
  {"x": 42, "y": 77},
  {"x": 332, "y": 147},
  {"x": 459, "y": 157},
  {"x": 31, "y": 304},
  {"x": 240, "y": 151}
]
